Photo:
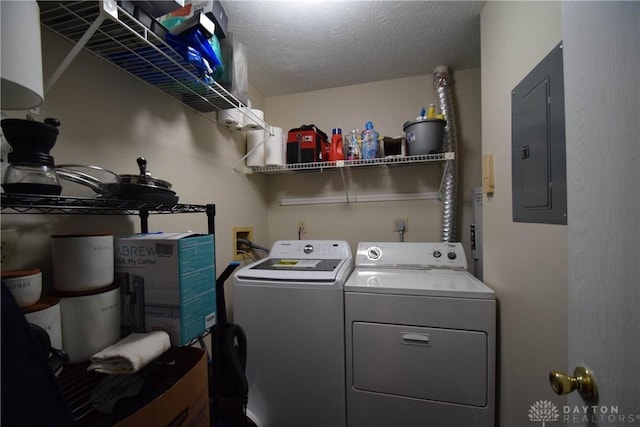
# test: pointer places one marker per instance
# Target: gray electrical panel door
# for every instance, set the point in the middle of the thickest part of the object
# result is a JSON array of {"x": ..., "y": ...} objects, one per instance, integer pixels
[{"x": 538, "y": 154}]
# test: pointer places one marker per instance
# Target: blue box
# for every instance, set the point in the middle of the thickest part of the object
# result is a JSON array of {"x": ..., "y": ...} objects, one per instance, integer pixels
[{"x": 175, "y": 275}]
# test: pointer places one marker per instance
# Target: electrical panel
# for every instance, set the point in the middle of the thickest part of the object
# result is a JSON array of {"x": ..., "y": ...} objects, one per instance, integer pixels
[{"x": 538, "y": 153}]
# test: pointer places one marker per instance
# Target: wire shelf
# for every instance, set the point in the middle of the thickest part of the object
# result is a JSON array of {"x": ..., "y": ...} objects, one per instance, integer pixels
[
  {"x": 42, "y": 204},
  {"x": 136, "y": 45},
  {"x": 89, "y": 395},
  {"x": 361, "y": 163}
]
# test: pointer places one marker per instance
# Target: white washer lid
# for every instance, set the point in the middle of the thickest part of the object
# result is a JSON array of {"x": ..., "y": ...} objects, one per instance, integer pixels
[
  {"x": 436, "y": 283},
  {"x": 313, "y": 274}
]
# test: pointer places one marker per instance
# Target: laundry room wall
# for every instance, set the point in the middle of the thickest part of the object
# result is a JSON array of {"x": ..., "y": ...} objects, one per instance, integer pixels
[
  {"x": 388, "y": 104},
  {"x": 110, "y": 118},
  {"x": 526, "y": 264}
]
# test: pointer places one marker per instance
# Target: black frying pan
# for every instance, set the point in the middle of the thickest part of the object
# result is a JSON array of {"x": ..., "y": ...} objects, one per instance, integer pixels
[
  {"x": 144, "y": 187},
  {"x": 146, "y": 193}
]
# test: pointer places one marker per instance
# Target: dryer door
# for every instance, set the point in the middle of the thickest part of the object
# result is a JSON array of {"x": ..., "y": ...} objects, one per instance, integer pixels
[{"x": 445, "y": 365}]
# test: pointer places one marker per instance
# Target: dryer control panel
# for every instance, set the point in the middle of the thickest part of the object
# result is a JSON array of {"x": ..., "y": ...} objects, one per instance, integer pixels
[{"x": 421, "y": 255}]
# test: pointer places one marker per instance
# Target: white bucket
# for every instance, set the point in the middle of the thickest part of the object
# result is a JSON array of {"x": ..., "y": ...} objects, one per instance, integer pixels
[
  {"x": 90, "y": 322},
  {"x": 82, "y": 262},
  {"x": 25, "y": 285},
  {"x": 46, "y": 314}
]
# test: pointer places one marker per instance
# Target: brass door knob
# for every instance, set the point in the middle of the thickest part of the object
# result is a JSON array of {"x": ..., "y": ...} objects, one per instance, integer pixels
[{"x": 582, "y": 380}]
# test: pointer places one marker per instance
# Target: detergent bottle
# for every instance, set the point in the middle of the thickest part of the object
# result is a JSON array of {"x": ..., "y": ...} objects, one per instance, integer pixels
[
  {"x": 337, "y": 145},
  {"x": 369, "y": 142}
]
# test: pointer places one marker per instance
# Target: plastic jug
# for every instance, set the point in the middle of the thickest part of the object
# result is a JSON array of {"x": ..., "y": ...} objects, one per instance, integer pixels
[
  {"x": 337, "y": 148},
  {"x": 369, "y": 142}
]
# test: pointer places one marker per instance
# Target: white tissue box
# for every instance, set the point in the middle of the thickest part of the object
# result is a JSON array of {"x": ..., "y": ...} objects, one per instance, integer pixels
[{"x": 177, "y": 273}]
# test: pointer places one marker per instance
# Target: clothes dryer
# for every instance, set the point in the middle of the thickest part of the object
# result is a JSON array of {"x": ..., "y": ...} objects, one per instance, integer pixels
[{"x": 420, "y": 336}]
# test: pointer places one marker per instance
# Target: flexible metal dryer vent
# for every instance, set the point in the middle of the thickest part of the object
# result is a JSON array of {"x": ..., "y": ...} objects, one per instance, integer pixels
[{"x": 442, "y": 86}]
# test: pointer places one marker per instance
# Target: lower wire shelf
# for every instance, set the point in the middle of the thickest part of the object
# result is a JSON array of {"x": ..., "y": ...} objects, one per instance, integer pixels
[{"x": 101, "y": 400}]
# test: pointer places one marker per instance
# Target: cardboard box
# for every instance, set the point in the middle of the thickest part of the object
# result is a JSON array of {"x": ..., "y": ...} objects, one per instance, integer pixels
[
  {"x": 185, "y": 403},
  {"x": 159, "y": 7},
  {"x": 212, "y": 8},
  {"x": 235, "y": 78},
  {"x": 171, "y": 275},
  {"x": 200, "y": 21}
]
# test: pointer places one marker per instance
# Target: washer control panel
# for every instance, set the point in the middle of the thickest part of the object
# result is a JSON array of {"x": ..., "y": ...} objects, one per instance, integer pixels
[
  {"x": 320, "y": 249},
  {"x": 412, "y": 255}
]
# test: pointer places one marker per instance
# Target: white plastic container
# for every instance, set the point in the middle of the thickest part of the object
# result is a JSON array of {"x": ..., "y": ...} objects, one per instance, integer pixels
[
  {"x": 46, "y": 314},
  {"x": 25, "y": 285},
  {"x": 82, "y": 262},
  {"x": 90, "y": 322}
]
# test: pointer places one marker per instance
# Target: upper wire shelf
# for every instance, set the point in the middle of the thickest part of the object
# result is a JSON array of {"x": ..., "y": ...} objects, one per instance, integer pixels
[
  {"x": 339, "y": 165},
  {"x": 121, "y": 38},
  {"x": 43, "y": 204}
]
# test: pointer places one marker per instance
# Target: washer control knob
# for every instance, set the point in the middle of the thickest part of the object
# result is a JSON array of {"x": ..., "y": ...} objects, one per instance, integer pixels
[
  {"x": 308, "y": 249},
  {"x": 437, "y": 254},
  {"x": 451, "y": 255}
]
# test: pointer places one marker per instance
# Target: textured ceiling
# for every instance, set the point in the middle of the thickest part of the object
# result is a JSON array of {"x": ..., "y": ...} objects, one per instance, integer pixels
[{"x": 298, "y": 46}]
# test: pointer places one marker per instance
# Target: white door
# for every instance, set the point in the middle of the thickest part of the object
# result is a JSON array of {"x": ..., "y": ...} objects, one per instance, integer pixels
[{"x": 602, "y": 96}]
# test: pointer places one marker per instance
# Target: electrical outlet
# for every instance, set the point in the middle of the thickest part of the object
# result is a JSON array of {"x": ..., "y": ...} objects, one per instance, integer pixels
[
  {"x": 9, "y": 248},
  {"x": 238, "y": 248},
  {"x": 301, "y": 224},
  {"x": 397, "y": 224}
]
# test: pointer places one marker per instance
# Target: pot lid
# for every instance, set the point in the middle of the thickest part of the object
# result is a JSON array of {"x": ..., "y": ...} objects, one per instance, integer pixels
[{"x": 144, "y": 178}]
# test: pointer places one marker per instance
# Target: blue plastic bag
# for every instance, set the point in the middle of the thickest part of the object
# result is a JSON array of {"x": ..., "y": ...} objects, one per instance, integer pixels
[{"x": 196, "y": 49}]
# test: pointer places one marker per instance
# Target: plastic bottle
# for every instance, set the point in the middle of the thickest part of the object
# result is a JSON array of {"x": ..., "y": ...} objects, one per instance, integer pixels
[
  {"x": 353, "y": 145},
  {"x": 431, "y": 112},
  {"x": 369, "y": 142},
  {"x": 336, "y": 151}
]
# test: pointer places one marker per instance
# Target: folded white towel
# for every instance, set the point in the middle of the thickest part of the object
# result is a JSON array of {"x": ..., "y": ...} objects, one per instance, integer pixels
[{"x": 130, "y": 354}]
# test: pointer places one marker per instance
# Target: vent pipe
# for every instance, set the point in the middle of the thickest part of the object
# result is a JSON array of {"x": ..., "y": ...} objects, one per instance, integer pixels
[{"x": 442, "y": 86}]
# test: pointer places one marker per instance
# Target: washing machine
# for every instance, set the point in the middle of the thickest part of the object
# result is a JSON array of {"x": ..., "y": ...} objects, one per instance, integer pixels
[
  {"x": 420, "y": 335},
  {"x": 291, "y": 308}
]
